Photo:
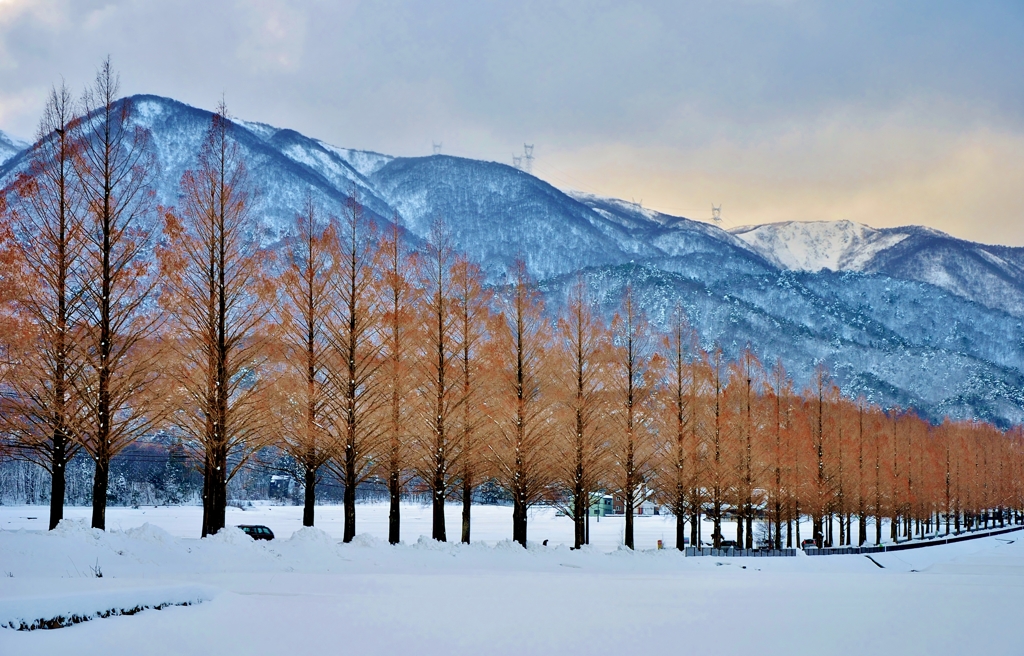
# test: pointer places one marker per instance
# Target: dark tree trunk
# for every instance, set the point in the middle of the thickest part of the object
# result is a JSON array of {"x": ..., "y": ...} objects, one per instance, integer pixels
[
  {"x": 694, "y": 525},
  {"x": 467, "y": 504},
  {"x": 739, "y": 530},
  {"x": 309, "y": 500},
  {"x": 750, "y": 528},
  {"x": 58, "y": 478},
  {"x": 716, "y": 539},
  {"x": 215, "y": 492},
  {"x": 518, "y": 520},
  {"x": 207, "y": 504},
  {"x": 349, "y": 499},
  {"x": 579, "y": 516},
  {"x": 680, "y": 529},
  {"x": 394, "y": 513},
  {"x": 220, "y": 492},
  {"x": 99, "y": 492},
  {"x": 439, "y": 533},
  {"x": 778, "y": 525},
  {"x": 629, "y": 519}
]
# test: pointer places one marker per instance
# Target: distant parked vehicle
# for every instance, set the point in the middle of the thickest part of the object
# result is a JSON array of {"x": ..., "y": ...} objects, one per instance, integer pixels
[
  {"x": 728, "y": 544},
  {"x": 808, "y": 543},
  {"x": 257, "y": 531}
]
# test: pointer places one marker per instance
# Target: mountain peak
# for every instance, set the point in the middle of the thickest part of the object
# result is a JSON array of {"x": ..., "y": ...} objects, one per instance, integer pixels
[
  {"x": 10, "y": 146},
  {"x": 816, "y": 245}
]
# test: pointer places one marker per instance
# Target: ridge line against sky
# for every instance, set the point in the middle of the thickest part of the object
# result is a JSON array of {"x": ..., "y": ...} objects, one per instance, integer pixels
[{"x": 882, "y": 113}]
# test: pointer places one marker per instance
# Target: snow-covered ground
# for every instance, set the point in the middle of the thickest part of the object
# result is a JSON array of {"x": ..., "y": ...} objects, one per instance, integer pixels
[
  {"x": 490, "y": 524},
  {"x": 305, "y": 593}
]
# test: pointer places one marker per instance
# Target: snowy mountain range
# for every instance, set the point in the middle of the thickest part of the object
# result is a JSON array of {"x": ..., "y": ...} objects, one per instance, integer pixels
[
  {"x": 9, "y": 146},
  {"x": 905, "y": 316}
]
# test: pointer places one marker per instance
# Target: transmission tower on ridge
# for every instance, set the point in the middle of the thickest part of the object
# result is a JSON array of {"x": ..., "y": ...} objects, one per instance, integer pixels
[
  {"x": 437, "y": 147},
  {"x": 517, "y": 162},
  {"x": 528, "y": 156},
  {"x": 716, "y": 214}
]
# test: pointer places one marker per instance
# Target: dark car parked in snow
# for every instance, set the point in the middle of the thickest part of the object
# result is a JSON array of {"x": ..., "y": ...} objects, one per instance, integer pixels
[{"x": 257, "y": 531}]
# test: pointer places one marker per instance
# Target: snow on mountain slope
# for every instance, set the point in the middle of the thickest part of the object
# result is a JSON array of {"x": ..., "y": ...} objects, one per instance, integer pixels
[
  {"x": 679, "y": 244},
  {"x": 990, "y": 275},
  {"x": 817, "y": 245},
  {"x": 365, "y": 161},
  {"x": 9, "y": 146},
  {"x": 496, "y": 214}
]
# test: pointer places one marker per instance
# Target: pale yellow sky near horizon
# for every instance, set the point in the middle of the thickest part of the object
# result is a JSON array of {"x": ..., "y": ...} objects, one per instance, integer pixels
[{"x": 964, "y": 185}]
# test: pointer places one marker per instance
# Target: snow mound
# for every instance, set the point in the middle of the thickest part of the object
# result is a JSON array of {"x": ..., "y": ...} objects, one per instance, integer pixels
[
  {"x": 149, "y": 533},
  {"x": 77, "y": 528},
  {"x": 367, "y": 540},
  {"x": 310, "y": 535},
  {"x": 229, "y": 535},
  {"x": 431, "y": 544},
  {"x": 511, "y": 546}
]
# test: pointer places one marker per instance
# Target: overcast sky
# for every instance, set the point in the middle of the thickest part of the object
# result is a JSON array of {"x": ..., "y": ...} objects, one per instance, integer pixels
[{"x": 886, "y": 113}]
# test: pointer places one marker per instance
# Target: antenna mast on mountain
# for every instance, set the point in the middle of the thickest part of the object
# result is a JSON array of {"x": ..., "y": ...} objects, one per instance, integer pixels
[
  {"x": 528, "y": 156},
  {"x": 716, "y": 214},
  {"x": 517, "y": 162},
  {"x": 437, "y": 147}
]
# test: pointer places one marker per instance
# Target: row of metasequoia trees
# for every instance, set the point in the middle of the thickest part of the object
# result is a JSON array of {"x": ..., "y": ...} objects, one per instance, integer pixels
[{"x": 363, "y": 357}]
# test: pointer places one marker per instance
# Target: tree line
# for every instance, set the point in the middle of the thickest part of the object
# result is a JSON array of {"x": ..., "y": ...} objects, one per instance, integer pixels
[{"x": 365, "y": 354}]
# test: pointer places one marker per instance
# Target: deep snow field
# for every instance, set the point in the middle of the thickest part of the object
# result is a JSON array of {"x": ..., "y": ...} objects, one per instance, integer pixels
[{"x": 305, "y": 593}]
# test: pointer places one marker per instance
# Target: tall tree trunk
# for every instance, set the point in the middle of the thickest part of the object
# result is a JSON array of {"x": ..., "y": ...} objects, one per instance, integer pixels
[
  {"x": 100, "y": 482},
  {"x": 519, "y": 519},
  {"x": 350, "y": 500},
  {"x": 309, "y": 498},
  {"x": 579, "y": 512},
  {"x": 629, "y": 519},
  {"x": 58, "y": 477},
  {"x": 438, "y": 530},
  {"x": 716, "y": 539},
  {"x": 220, "y": 491},
  {"x": 395, "y": 512},
  {"x": 778, "y": 524},
  {"x": 467, "y": 504},
  {"x": 680, "y": 529},
  {"x": 102, "y": 456},
  {"x": 207, "y": 501}
]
